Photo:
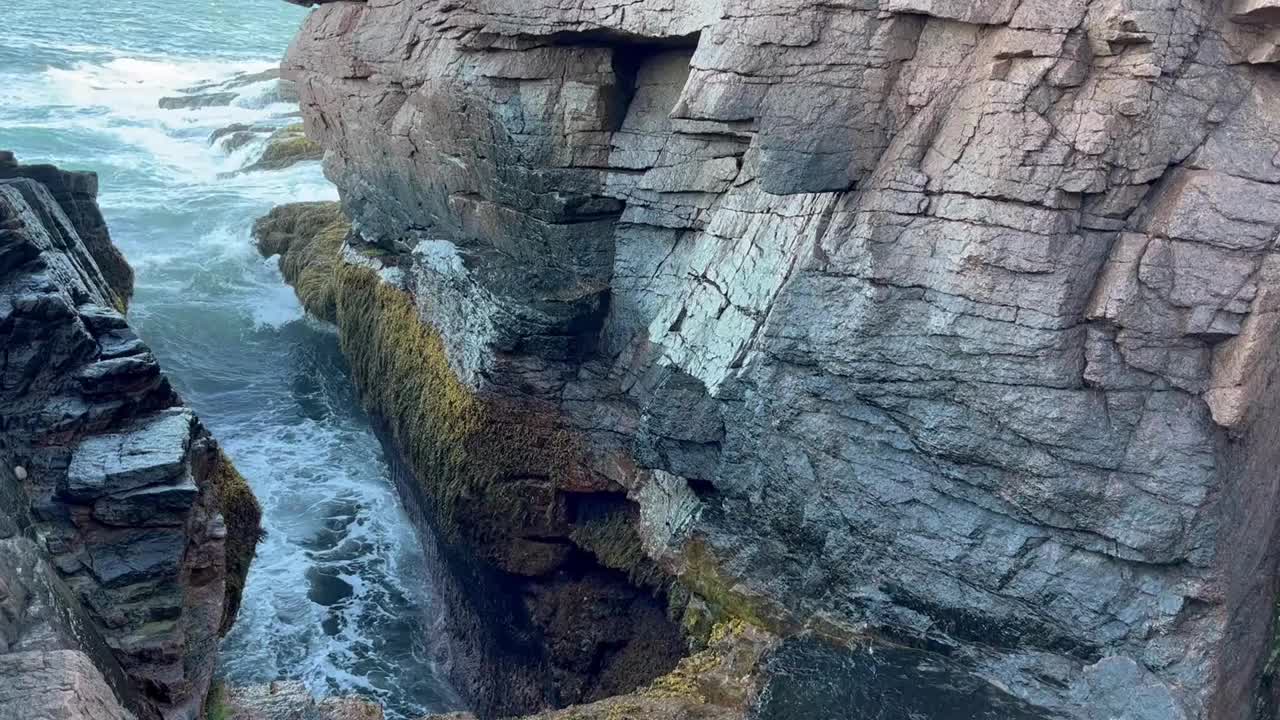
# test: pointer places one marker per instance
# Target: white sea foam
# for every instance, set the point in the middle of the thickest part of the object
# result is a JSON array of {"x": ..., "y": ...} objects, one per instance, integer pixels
[
  {"x": 119, "y": 99},
  {"x": 263, "y": 378}
]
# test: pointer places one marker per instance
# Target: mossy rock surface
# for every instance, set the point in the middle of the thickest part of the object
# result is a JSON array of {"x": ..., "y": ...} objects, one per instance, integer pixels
[
  {"x": 287, "y": 146},
  {"x": 615, "y": 542},
  {"x": 308, "y": 238},
  {"x": 500, "y": 479},
  {"x": 717, "y": 683},
  {"x": 243, "y": 517},
  {"x": 490, "y": 465}
]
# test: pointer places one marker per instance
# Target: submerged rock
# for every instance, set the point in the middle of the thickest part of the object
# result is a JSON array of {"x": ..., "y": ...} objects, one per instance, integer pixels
[
  {"x": 285, "y": 147},
  {"x": 223, "y": 93},
  {"x": 199, "y": 100},
  {"x": 237, "y": 135},
  {"x": 128, "y": 533}
]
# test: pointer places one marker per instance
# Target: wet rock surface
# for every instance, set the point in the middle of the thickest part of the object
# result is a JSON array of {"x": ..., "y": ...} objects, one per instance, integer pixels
[
  {"x": 289, "y": 700},
  {"x": 114, "y": 515},
  {"x": 77, "y": 195},
  {"x": 945, "y": 324},
  {"x": 224, "y": 93},
  {"x": 286, "y": 146}
]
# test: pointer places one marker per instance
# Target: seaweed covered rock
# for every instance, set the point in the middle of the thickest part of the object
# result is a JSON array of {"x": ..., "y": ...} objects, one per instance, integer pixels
[
  {"x": 132, "y": 533},
  {"x": 285, "y": 147},
  {"x": 537, "y": 619},
  {"x": 548, "y": 605},
  {"x": 308, "y": 238}
]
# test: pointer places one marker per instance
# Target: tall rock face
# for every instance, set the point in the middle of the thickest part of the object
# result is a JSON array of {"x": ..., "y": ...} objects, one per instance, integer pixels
[
  {"x": 77, "y": 196},
  {"x": 124, "y": 531},
  {"x": 948, "y": 327}
]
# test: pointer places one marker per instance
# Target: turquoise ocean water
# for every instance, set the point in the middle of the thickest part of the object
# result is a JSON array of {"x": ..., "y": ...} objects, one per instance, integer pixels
[{"x": 338, "y": 596}]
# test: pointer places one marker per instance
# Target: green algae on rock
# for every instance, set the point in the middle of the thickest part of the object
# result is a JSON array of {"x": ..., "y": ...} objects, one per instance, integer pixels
[
  {"x": 287, "y": 146},
  {"x": 616, "y": 544},
  {"x": 720, "y": 682},
  {"x": 308, "y": 238},
  {"x": 578, "y": 612},
  {"x": 243, "y": 517},
  {"x": 494, "y": 475}
]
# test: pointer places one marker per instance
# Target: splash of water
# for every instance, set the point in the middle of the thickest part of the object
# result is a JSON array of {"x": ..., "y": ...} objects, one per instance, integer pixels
[{"x": 337, "y": 596}]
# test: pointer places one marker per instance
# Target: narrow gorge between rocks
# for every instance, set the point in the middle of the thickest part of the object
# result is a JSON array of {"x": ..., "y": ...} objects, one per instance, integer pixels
[{"x": 640, "y": 360}]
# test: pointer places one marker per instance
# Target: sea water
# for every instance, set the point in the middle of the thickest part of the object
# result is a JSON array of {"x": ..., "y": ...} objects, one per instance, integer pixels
[{"x": 337, "y": 597}]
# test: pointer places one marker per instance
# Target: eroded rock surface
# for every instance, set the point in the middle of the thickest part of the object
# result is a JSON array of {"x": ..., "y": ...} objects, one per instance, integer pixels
[
  {"x": 124, "y": 532},
  {"x": 77, "y": 196},
  {"x": 290, "y": 700},
  {"x": 949, "y": 325}
]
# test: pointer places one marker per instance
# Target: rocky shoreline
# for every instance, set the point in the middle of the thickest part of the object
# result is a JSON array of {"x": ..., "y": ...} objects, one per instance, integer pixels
[
  {"x": 758, "y": 359},
  {"x": 125, "y": 532}
]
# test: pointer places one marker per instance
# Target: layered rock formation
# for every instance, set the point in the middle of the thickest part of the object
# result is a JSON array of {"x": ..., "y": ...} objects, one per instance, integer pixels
[
  {"x": 942, "y": 328},
  {"x": 77, "y": 195},
  {"x": 287, "y": 700},
  {"x": 125, "y": 533}
]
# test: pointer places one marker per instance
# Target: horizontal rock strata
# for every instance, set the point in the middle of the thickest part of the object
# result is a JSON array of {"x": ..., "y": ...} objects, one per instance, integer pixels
[
  {"x": 125, "y": 533},
  {"x": 947, "y": 327}
]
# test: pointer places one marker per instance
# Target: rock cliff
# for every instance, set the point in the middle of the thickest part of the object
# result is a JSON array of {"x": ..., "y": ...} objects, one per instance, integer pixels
[
  {"x": 125, "y": 533},
  {"x": 936, "y": 337}
]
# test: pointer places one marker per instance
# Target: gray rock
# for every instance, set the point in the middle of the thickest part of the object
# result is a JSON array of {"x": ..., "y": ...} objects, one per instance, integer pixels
[
  {"x": 120, "y": 375},
  {"x": 153, "y": 451},
  {"x": 76, "y": 194},
  {"x": 164, "y": 504},
  {"x": 41, "y": 622},
  {"x": 101, "y": 319},
  {"x": 127, "y": 558},
  {"x": 959, "y": 319},
  {"x": 200, "y": 100},
  {"x": 126, "y": 580},
  {"x": 1120, "y": 688},
  {"x": 62, "y": 684}
]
